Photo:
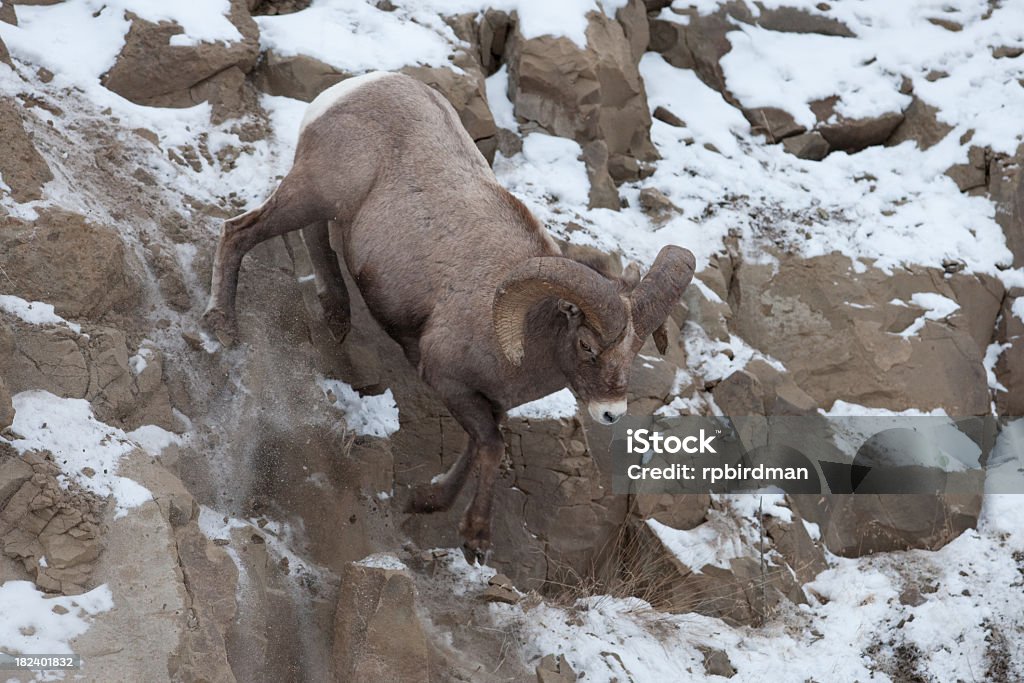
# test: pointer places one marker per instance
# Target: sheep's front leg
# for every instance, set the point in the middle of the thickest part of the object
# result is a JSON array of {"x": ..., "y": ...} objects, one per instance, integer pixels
[
  {"x": 480, "y": 418},
  {"x": 476, "y": 523}
]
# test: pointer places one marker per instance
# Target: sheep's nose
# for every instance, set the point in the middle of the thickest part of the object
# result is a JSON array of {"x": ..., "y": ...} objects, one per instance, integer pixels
[{"x": 607, "y": 412}]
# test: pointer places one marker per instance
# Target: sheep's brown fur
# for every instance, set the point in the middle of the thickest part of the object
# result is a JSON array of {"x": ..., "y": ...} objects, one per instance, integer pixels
[{"x": 430, "y": 237}]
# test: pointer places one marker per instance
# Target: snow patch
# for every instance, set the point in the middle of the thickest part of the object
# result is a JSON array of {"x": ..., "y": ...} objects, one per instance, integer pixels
[
  {"x": 382, "y": 561},
  {"x": 35, "y": 312},
  {"x": 66, "y": 427},
  {"x": 364, "y": 415},
  {"x": 936, "y": 307},
  {"x": 28, "y": 624}
]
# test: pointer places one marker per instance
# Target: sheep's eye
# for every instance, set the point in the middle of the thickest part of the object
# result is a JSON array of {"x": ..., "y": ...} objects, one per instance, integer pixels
[{"x": 586, "y": 347}]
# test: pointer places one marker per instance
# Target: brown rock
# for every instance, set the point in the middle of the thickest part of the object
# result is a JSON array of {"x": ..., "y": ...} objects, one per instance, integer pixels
[
  {"x": 796, "y": 545},
  {"x": 151, "y": 71},
  {"x": 947, "y": 24},
  {"x": 717, "y": 663},
  {"x": 377, "y": 634},
  {"x": 603, "y": 194},
  {"x": 1010, "y": 365},
  {"x": 299, "y": 77},
  {"x": 792, "y": 20},
  {"x": 712, "y": 315},
  {"x": 974, "y": 173},
  {"x": 1007, "y": 52},
  {"x": 278, "y": 7},
  {"x": 740, "y": 394},
  {"x": 811, "y": 146},
  {"x": 912, "y": 597},
  {"x": 684, "y": 512},
  {"x": 509, "y": 143},
  {"x": 13, "y": 473},
  {"x": 61, "y": 258},
  {"x": 46, "y": 359},
  {"x": 500, "y": 594},
  {"x": 654, "y": 201},
  {"x": 775, "y": 124},
  {"x": 800, "y": 315},
  {"x": 65, "y": 551},
  {"x": 7, "y": 14},
  {"x": 6, "y": 408},
  {"x": 493, "y": 35},
  {"x": 666, "y": 116},
  {"x": 701, "y": 42},
  {"x": 228, "y": 93},
  {"x": 552, "y": 669},
  {"x": 592, "y": 93},
  {"x": 5, "y": 56},
  {"x": 920, "y": 124},
  {"x": 853, "y": 135},
  {"x": 1006, "y": 189},
  {"x": 853, "y": 525},
  {"x": 633, "y": 17},
  {"x": 22, "y": 167}
]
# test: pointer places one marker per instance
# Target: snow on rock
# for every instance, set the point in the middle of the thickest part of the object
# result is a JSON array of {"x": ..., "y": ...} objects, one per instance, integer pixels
[
  {"x": 30, "y": 622},
  {"x": 701, "y": 546},
  {"x": 864, "y": 615},
  {"x": 936, "y": 307},
  {"x": 364, "y": 415},
  {"x": 35, "y": 312},
  {"x": 84, "y": 37},
  {"x": 382, "y": 561},
  {"x": 154, "y": 439},
  {"x": 497, "y": 99},
  {"x": 66, "y": 427},
  {"x": 548, "y": 169},
  {"x": 356, "y": 36},
  {"x": 561, "y": 404}
]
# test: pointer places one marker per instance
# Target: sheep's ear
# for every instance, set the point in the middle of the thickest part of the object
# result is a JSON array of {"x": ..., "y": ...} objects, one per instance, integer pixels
[
  {"x": 631, "y": 275},
  {"x": 660, "y": 335},
  {"x": 570, "y": 309}
]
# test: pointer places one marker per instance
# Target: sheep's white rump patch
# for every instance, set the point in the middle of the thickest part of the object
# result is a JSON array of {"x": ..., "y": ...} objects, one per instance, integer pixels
[{"x": 328, "y": 98}]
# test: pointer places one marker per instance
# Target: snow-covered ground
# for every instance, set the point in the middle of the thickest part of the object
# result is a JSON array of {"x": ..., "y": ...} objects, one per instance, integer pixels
[{"x": 955, "y": 614}]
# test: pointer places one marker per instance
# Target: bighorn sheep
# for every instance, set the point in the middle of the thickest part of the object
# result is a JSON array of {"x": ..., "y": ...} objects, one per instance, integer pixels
[{"x": 454, "y": 268}]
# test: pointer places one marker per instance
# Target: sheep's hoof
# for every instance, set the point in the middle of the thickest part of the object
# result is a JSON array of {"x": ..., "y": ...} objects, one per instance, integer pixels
[
  {"x": 477, "y": 546},
  {"x": 338, "y": 325},
  {"x": 336, "y": 315},
  {"x": 427, "y": 498},
  {"x": 218, "y": 324},
  {"x": 476, "y": 555}
]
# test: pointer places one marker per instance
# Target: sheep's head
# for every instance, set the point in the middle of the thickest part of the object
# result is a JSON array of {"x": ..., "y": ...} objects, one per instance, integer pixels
[{"x": 607, "y": 320}]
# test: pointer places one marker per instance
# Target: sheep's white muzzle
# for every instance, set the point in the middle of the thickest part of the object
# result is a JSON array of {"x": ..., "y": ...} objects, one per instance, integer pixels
[{"x": 607, "y": 412}]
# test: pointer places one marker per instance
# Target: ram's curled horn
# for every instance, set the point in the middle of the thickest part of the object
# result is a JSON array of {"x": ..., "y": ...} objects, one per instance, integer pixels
[
  {"x": 544, "y": 277},
  {"x": 661, "y": 289}
]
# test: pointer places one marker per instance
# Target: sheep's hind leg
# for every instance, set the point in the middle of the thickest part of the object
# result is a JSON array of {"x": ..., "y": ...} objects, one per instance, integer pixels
[
  {"x": 330, "y": 283},
  {"x": 285, "y": 211}
]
